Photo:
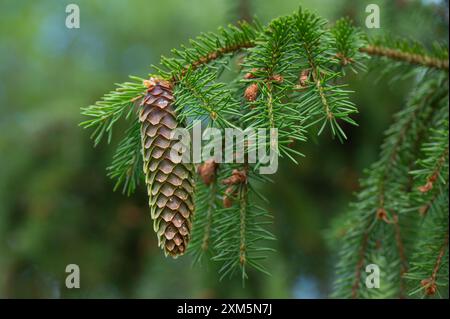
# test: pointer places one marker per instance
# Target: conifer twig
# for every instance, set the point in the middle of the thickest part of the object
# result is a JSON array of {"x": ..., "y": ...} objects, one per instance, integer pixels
[
  {"x": 401, "y": 253},
  {"x": 430, "y": 284},
  {"x": 207, "y": 227},
  {"x": 436, "y": 172},
  {"x": 394, "y": 54},
  {"x": 242, "y": 210},
  {"x": 437, "y": 265},
  {"x": 213, "y": 55},
  {"x": 360, "y": 264},
  {"x": 411, "y": 58}
]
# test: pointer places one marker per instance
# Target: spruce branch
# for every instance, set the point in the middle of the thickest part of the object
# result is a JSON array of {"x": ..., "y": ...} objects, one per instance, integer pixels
[
  {"x": 208, "y": 49},
  {"x": 360, "y": 263},
  {"x": 206, "y": 202},
  {"x": 314, "y": 42},
  {"x": 241, "y": 226},
  {"x": 290, "y": 78},
  {"x": 127, "y": 162},
  {"x": 401, "y": 254},
  {"x": 113, "y": 106},
  {"x": 243, "y": 202},
  {"x": 206, "y": 239},
  {"x": 430, "y": 285},
  {"x": 348, "y": 43},
  {"x": 270, "y": 72},
  {"x": 428, "y": 275},
  {"x": 434, "y": 167},
  {"x": 204, "y": 226},
  {"x": 212, "y": 56},
  {"x": 200, "y": 97},
  {"x": 394, "y": 54},
  {"x": 383, "y": 200},
  {"x": 430, "y": 172}
]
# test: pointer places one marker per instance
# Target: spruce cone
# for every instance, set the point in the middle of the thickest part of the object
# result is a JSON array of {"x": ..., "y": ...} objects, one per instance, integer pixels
[{"x": 170, "y": 184}]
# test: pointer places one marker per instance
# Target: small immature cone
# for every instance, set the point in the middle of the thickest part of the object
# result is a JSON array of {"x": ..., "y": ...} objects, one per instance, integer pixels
[
  {"x": 430, "y": 286},
  {"x": 382, "y": 215},
  {"x": 169, "y": 182},
  {"x": 426, "y": 188},
  {"x": 251, "y": 92},
  {"x": 303, "y": 78},
  {"x": 236, "y": 177},
  {"x": 207, "y": 171},
  {"x": 277, "y": 78},
  {"x": 228, "y": 197},
  {"x": 251, "y": 74}
]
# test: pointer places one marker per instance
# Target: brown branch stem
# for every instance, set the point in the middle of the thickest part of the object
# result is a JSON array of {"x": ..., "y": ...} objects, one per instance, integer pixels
[
  {"x": 411, "y": 58},
  {"x": 360, "y": 264},
  {"x": 401, "y": 253},
  {"x": 207, "y": 227},
  {"x": 393, "y": 54},
  {"x": 213, "y": 55},
  {"x": 373, "y": 50},
  {"x": 437, "y": 265}
]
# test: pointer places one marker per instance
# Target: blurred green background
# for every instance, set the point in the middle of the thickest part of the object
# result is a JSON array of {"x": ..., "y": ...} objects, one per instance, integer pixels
[{"x": 57, "y": 206}]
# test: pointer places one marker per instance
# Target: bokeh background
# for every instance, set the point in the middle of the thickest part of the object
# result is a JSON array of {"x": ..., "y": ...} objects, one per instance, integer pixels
[{"x": 56, "y": 204}]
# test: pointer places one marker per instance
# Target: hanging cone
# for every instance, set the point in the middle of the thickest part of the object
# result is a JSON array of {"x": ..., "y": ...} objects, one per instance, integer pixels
[{"x": 170, "y": 184}]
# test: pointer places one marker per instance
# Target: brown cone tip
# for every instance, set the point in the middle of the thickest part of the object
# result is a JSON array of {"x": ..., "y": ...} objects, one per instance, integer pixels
[
  {"x": 169, "y": 183},
  {"x": 251, "y": 92},
  {"x": 207, "y": 171},
  {"x": 228, "y": 197}
]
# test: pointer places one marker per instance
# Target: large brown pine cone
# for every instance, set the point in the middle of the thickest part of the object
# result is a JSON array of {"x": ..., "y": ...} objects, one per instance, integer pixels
[{"x": 170, "y": 184}]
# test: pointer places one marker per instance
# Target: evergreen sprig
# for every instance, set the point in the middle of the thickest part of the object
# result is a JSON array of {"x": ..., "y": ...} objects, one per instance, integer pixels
[
  {"x": 207, "y": 203},
  {"x": 200, "y": 97},
  {"x": 408, "y": 51},
  {"x": 113, "y": 106},
  {"x": 241, "y": 230},
  {"x": 428, "y": 273},
  {"x": 348, "y": 41},
  {"x": 208, "y": 49},
  {"x": 376, "y": 224},
  {"x": 324, "y": 101},
  {"x": 271, "y": 65},
  {"x": 126, "y": 167},
  {"x": 433, "y": 168}
]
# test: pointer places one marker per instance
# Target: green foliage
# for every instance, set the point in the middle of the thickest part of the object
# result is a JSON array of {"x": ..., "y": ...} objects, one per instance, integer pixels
[
  {"x": 348, "y": 39},
  {"x": 386, "y": 211},
  {"x": 200, "y": 97},
  {"x": 211, "y": 48},
  {"x": 273, "y": 68},
  {"x": 106, "y": 112},
  {"x": 429, "y": 261},
  {"x": 126, "y": 167},
  {"x": 437, "y": 50},
  {"x": 430, "y": 257},
  {"x": 325, "y": 100},
  {"x": 389, "y": 66},
  {"x": 207, "y": 202},
  {"x": 434, "y": 165},
  {"x": 298, "y": 65},
  {"x": 241, "y": 231}
]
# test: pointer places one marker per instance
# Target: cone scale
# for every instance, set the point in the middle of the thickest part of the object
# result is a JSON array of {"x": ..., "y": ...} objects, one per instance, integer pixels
[{"x": 170, "y": 184}]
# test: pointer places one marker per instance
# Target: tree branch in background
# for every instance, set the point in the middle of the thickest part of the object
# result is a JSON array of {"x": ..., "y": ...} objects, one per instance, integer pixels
[{"x": 423, "y": 60}]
